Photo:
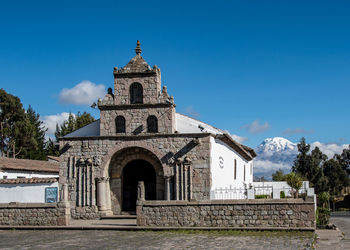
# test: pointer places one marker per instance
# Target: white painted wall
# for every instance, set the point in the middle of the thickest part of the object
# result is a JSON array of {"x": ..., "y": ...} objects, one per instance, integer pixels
[
  {"x": 222, "y": 167},
  {"x": 14, "y": 174},
  {"x": 26, "y": 193},
  {"x": 267, "y": 186}
]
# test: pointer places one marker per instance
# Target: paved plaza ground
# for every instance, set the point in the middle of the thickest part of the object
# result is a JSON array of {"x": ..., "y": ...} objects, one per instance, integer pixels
[
  {"x": 96, "y": 239},
  {"x": 335, "y": 239},
  {"x": 112, "y": 239}
]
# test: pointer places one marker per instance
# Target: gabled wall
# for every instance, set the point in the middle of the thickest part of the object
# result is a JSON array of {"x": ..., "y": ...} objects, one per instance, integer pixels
[{"x": 222, "y": 166}]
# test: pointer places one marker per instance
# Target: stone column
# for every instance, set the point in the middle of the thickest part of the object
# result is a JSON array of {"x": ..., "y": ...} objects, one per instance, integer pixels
[
  {"x": 167, "y": 188},
  {"x": 140, "y": 221},
  {"x": 102, "y": 193},
  {"x": 181, "y": 180},
  {"x": 108, "y": 198},
  {"x": 185, "y": 183},
  {"x": 64, "y": 193},
  {"x": 176, "y": 181},
  {"x": 188, "y": 181},
  {"x": 140, "y": 191}
]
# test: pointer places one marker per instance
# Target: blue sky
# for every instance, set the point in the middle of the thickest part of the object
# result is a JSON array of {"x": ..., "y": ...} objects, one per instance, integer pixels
[{"x": 255, "y": 68}]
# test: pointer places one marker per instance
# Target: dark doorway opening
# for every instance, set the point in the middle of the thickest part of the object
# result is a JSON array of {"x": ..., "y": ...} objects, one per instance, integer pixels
[{"x": 133, "y": 172}]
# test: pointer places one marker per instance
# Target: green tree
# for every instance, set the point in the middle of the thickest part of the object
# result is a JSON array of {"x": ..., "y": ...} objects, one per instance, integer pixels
[
  {"x": 35, "y": 146},
  {"x": 22, "y": 133},
  {"x": 13, "y": 122},
  {"x": 310, "y": 166},
  {"x": 337, "y": 176},
  {"x": 73, "y": 123},
  {"x": 279, "y": 176},
  {"x": 295, "y": 182},
  {"x": 51, "y": 148},
  {"x": 302, "y": 162},
  {"x": 344, "y": 159}
]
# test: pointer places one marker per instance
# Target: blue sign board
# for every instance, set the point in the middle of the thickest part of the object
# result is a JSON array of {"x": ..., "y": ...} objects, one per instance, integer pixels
[{"x": 51, "y": 194}]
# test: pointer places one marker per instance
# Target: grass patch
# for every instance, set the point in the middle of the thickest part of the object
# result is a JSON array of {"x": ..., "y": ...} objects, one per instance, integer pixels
[{"x": 242, "y": 233}]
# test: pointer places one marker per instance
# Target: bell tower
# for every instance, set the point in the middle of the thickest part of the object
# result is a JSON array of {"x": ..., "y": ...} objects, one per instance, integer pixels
[{"x": 138, "y": 105}]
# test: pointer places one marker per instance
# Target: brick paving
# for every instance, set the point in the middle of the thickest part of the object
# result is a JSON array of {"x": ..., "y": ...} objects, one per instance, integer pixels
[{"x": 93, "y": 239}]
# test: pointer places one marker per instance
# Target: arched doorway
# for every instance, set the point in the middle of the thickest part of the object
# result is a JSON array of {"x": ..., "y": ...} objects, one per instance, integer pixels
[
  {"x": 133, "y": 172},
  {"x": 126, "y": 167}
]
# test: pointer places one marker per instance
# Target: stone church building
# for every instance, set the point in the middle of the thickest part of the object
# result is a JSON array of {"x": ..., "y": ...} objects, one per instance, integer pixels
[{"x": 141, "y": 137}]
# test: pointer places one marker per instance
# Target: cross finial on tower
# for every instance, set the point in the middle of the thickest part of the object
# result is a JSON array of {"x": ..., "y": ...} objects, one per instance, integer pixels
[{"x": 138, "y": 48}]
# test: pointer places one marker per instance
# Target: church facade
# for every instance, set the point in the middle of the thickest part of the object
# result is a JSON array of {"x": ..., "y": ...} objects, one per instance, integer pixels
[{"x": 141, "y": 137}]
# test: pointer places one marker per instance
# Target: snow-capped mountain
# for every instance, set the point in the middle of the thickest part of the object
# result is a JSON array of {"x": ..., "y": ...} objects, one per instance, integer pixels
[
  {"x": 279, "y": 153},
  {"x": 277, "y": 149},
  {"x": 273, "y": 154}
]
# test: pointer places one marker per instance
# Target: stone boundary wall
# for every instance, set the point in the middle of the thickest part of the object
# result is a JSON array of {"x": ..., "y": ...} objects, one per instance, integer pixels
[
  {"x": 85, "y": 213},
  {"x": 283, "y": 213},
  {"x": 34, "y": 214}
]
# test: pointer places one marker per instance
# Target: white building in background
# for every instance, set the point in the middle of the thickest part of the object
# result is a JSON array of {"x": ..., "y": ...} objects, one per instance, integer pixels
[{"x": 28, "y": 181}]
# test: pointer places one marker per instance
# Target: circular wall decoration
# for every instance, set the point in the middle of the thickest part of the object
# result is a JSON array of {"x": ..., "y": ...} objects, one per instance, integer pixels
[{"x": 221, "y": 162}]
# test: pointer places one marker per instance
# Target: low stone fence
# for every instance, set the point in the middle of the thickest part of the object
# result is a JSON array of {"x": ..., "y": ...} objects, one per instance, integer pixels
[
  {"x": 85, "y": 213},
  {"x": 279, "y": 214},
  {"x": 34, "y": 214}
]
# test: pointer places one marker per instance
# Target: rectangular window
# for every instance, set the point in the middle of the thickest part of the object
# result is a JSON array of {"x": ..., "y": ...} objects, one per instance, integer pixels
[
  {"x": 251, "y": 168},
  {"x": 244, "y": 173},
  {"x": 235, "y": 170}
]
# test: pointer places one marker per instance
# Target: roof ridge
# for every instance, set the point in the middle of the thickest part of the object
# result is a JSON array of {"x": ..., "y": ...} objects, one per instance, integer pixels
[{"x": 201, "y": 122}]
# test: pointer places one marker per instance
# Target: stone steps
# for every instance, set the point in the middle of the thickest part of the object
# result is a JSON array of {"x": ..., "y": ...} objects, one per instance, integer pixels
[{"x": 119, "y": 217}]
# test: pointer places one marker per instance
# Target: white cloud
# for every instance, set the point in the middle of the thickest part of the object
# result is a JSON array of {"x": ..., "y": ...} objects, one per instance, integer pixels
[
  {"x": 266, "y": 168},
  {"x": 84, "y": 93},
  {"x": 238, "y": 138},
  {"x": 50, "y": 121},
  {"x": 255, "y": 127},
  {"x": 329, "y": 149}
]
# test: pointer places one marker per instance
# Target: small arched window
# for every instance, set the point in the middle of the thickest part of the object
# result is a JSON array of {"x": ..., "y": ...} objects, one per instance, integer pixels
[
  {"x": 136, "y": 93},
  {"x": 152, "y": 124},
  {"x": 120, "y": 124}
]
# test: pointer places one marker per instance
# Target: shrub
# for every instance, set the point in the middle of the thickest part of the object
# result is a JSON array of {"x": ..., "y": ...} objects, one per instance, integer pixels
[
  {"x": 262, "y": 196},
  {"x": 322, "y": 216},
  {"x": 282, "y": 195},
  {"x": 323, "y": 199},
  {"x": 295, "y": 182}
]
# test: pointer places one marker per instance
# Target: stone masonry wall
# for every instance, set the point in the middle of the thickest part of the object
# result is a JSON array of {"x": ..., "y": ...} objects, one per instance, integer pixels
[
  {"x": 85, "y": 213},
  {"x": 100, "y": 151},
  {"x": 33, "y": 214},
  {"x": 151, "y": 88},
  {"x": 294, "y": 213},
  {"x": 135, "y": 118}
]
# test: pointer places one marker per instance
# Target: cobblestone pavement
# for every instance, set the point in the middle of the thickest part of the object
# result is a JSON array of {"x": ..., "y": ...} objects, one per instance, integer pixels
[{"x": 72, "y": 239}]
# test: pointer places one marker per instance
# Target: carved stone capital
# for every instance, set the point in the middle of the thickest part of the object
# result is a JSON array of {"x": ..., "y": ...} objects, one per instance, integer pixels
[
  {"x": 88, "y": 162},
  {"x": 81, "y": 162},
  {"x": 187, "y": 160},
  {"x": 102, "y": 179}
]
